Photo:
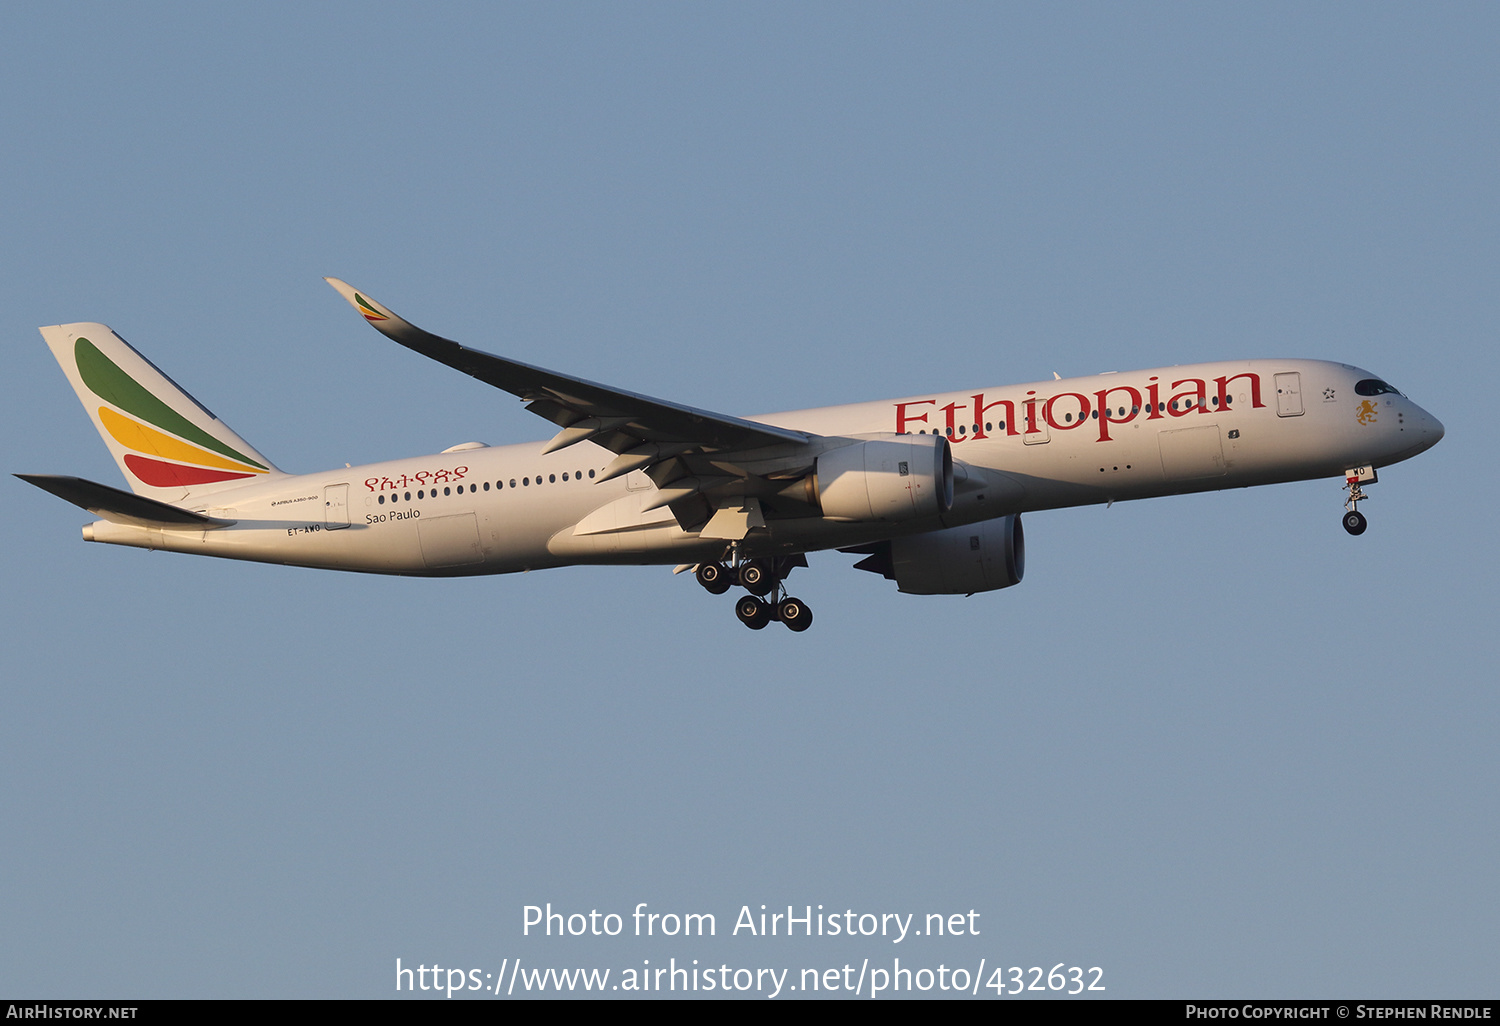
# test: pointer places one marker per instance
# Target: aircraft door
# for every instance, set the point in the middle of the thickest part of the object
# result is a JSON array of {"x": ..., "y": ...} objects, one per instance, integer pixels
[
  {"x": 1034, "y": 429},
  {"x": 336, "y": 507},
  {"x": 1289, "y": 395}
]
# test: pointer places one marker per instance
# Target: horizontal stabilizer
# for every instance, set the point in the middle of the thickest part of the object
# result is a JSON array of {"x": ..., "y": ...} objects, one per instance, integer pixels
[{"x": 122, "y": 507}]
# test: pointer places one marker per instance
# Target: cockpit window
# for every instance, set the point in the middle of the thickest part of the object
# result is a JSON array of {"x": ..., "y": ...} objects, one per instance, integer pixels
[{"x": 1374, "y": 386}]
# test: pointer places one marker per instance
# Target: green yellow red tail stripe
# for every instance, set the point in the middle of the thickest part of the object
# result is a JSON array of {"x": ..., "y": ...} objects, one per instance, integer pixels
[
  {"x": 186, "y": 456},
  {"x": 106, "y": 380}
]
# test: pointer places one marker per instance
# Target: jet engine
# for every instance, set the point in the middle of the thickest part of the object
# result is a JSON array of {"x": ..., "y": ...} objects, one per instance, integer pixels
[
  {"x": 889, "y": 477},
  {"x": 957, "y": 561}
]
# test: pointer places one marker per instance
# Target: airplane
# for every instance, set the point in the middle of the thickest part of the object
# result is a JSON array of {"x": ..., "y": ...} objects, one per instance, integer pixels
[{"x": 929, "y": 489}]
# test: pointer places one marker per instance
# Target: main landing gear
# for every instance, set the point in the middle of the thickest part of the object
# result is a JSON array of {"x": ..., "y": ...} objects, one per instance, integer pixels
[
  {"x": 715, "y": 577},
  {"x": 767, "y": 599},
  {"x": 755, "y": 613},
  {"x": 1354, "y": 521}
]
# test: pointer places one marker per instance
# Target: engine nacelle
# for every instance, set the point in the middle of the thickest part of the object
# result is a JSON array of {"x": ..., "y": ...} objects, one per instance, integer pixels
[
  {"x": 890, "y": 477},
  {"x": 960, "y": 560}
]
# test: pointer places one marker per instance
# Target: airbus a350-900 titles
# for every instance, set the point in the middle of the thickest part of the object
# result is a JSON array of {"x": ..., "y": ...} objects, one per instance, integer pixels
[{"x": 930, "y": 489}]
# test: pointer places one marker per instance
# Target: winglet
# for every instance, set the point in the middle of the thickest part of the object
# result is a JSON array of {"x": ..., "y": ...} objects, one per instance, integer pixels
[{"x": 370, "y": 310}]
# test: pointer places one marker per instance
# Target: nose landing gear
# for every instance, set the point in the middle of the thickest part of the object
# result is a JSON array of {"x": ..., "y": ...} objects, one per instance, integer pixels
[{"x": 1354, "y": 521}]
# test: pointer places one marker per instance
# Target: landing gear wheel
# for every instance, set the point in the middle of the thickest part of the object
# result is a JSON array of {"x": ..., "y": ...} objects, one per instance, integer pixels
[
  {"x": 1354, "y": 522},
  {"x": 753, "y": 613},
  {"x": 714, "y": 577},
  {"x": 756, "y": 577},
  {"x": 793, "y": 613}
]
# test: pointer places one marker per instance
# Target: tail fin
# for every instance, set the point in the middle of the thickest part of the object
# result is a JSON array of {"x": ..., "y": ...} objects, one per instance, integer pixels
[{"x": 168, "y": 446}]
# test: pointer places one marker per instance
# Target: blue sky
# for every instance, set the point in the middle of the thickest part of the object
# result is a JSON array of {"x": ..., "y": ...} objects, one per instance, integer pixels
[{"x": 1211, "y": 744}]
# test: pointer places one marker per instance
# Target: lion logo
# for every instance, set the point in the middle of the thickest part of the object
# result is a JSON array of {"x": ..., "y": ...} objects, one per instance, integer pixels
[{"x": 1366, "y": 412}]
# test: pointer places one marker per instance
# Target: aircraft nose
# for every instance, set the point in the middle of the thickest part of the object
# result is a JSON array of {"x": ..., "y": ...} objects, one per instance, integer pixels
[
  {"x": 1436, "y": 427},
  {"x": 1431, "y": 431},
  {"x": 1418, "y": 432}
]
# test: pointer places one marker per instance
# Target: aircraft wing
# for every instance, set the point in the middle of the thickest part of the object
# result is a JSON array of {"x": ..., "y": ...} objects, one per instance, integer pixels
[{"x": 645, "y": 429}]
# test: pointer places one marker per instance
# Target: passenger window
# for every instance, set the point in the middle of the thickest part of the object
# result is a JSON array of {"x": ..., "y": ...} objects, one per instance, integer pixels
[{"x": 552, "y": 479}]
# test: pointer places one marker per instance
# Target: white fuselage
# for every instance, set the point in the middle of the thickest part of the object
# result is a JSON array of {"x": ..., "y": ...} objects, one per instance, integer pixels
[{"x": 1016, "y": 448}]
